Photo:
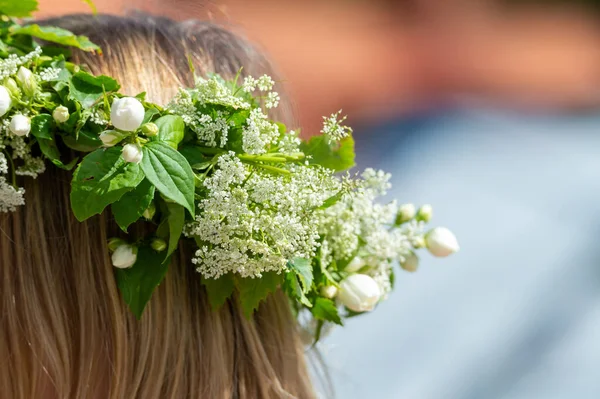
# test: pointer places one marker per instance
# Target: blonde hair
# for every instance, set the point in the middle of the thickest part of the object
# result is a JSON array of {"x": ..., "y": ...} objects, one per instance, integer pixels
[{"x": 64, "y": 330}]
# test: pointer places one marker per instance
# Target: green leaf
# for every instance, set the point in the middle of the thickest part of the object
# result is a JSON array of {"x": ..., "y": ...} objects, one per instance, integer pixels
[
  {"x": 176, "y": 220},
  {"x": 56, "y": 35},
  {"x": 252, "y": 291},
  {"x": 170, "y": 172},
  {"x": 88, "y": 89},
  {"x": 295, "y": 289},
  {"x": 101, "y": 179},
  {"x": 85, "y": 141},
  {"x": 193, "y": 154},
  {"x": 302, "y": 267},
  {"x": 170, "y": 129},
  {"x": 19, "y": 9},
  {"x": 219, "y": 290},
  {"x": 326, "y": 310},
  {"x": 139, "y": 282},
  {"x": 42, "y": 129},
  {"x": 149, "y": 114},
  {"x": 132, "y": 204},
  {"x": 335, "y": 156}
]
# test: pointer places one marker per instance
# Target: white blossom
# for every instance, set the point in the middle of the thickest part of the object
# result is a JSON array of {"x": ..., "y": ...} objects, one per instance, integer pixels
[
  {"x": 20, "y": 125},
  {"x": 406, "y": 212},
  {"x": 61, "y": 114},
  {"x": 5, "y": 101},
  {"x": 127, "y": 113},
  {"x": 359, "y": 292},
  {"x": 11, "y": 64},
  {"x": 329, "y": 291},
  {"x": 333, "y": 129},
  {"x": 265, "y": 83},
  {"x": 27, "y": 81},
  {"x": 272, "y": 100},
  {"x": 441, "y": 242},
  {"x": 111, "y": 138},
  {"x": 410, "y": 263},
  {"x": 10, "y": 197},
  {"x": 49, "y": 74},
  {"x": 259, "y": 133},
  {"x": 32, "y": 166},
  {"x": 132, "y": 153},
  {"x": 124, "y": 256}
]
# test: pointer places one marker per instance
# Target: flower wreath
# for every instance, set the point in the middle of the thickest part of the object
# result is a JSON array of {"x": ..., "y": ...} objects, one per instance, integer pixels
[{"x": 265, "y": 208}]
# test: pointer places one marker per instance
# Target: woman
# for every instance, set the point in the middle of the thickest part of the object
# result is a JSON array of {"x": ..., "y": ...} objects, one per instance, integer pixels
[{"x": 65, "y": 332}]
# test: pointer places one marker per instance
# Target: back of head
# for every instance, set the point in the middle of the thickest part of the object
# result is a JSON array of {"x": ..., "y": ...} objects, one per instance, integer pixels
[{"x": 65, "y": 332}]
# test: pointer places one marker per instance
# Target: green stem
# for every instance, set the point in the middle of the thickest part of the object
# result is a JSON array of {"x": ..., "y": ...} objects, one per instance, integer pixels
[
  {"x": 272, "y": 168},
  {"x": 12, "y": 168}
]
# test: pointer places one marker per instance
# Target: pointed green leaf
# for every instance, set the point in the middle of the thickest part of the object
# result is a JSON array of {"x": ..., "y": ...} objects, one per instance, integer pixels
[
  {"x": 139, "y": 282},
  {"x": 303, "y": 268},
  {"x": 18, "y": 9},
  {"x": 252, "y": 291},
  {"x": 101, "y": 179},
  {"x": 42, "y": 129},
  {"x": 170, "y": 129},
  {"x": 295, "y": 289},
  {"x": 56, "y": 35},
  {"x": 176, "y": 220},
  {"x": 326, "y": 310},
  {"x": 88, "y": 89},
  {"x": 132, "y": 204},
  {"x": 219, "y": 290},
  {"x": 335, "y": 156},
  {"x": 170, "y": 172}
]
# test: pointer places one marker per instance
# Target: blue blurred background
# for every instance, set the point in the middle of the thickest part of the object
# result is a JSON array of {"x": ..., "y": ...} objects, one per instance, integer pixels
[{"x": 490, "y": 111}]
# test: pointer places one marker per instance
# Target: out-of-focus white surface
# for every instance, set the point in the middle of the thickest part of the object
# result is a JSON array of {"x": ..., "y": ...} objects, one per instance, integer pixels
[{"x": 516, "y": 313}]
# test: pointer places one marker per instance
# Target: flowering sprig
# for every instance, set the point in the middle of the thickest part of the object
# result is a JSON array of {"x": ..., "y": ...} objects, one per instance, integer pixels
[{"x": 265, "y": 209}]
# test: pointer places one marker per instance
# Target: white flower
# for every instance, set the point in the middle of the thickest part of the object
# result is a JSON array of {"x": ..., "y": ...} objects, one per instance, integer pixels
[
  {"x": 27, "y": 81},
  {"x": 127, "y": 113},
  {"x": 329, "y": 291},
  {"x": 425, "y": 213},
  {"x": 406, "y": 212},
  {"x": 359, "y": 292},
  {"x": 132, "y": 153},
  {"x": 355, "y": 265},
  {"x": 441, "y": 242},
  {"x": 272, "y": 100},
  {"x": 110, "y": 138},
  {"x": 20, "y": 125},
  {"x": 124, "y": 256},
  {"x": 61, "y": 114},
  {"x": 5, "y": 100},
  {"x": 411, "y": 262},
  {"x": 333, "y": 129}
]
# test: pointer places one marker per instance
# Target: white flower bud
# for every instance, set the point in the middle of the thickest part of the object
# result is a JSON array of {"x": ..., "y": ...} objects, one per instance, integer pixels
[
  {"x": 20, "y": 125},
  {"x": 5, "y": 100},
  {"x": 329, "y": 291},
  {"x": 61, "y": 114},
  {"x": 132, "y": 153},
  {"x": 150, "y": 129},
  {"x": 359, "y": 292},
  {"x": 127, "y": 113},
  {"x": 27, "y": 81},
  {"x": 355, "y": 265},
  {"x": 425, "y": 213},
  {"x": 111, "y": 138},
  {"x": 411, "y": 262},
  {"x": 124, "y": 256},
  {"x": 441, "y": 242},
  {"x": 114, "y": 243},
  {"x": 405, "y": 213}
]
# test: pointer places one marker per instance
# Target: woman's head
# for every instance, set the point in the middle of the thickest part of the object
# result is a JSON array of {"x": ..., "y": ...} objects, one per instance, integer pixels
[{"x": 64, "y": 330}]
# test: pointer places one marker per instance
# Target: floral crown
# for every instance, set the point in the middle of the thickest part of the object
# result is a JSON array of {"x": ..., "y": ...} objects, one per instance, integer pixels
[{"x": 265, "y": 208}]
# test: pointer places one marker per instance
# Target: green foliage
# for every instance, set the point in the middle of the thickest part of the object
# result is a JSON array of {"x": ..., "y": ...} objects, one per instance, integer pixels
[
  {"x": 42, "y": 129},
  {"x": 325, "y": 309},
  {"x": 101, "y": 179},
  {"x": 303, "y": 269},
  {"x": 175, "y": 220},
  {"x": 334, "y": 156},
  {"x": 55, "y": 35},
  {"x": 88, "y": 89},
  {"x": 132, "y": 204},
  {"x": 18, "y": 8},
  {"x": 139, "y": 282},
  {"x": 85, "y": 141},
  {"x": 170, "y": 172},
  {"x": 170, "y": 129},
  {"x": 219, "y": 290},
  {"x": 252, "y": 291}
]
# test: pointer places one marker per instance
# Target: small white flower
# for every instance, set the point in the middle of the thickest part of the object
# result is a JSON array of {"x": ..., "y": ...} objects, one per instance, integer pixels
[
  {"x": 61, "y": 114},
  {"x": 441, "y": 242},
  {"x": 359, "y": 293},
  {"x": 127, "y": 113},
  {"x": 406, "y": 212},
  {"x": 329, "y": 291},
  {"x": 124, "y": 256},
  {"x": 110, "y": 138},
  {"x": 425, "y": 213},
  {"x": 355, "y": 265},
  {"x": 5, "y": 100},
  {"x": 27, "y": 81},
  {"x": 132, "y": 153},
  {"x": 411, "y": 262},
  {"x": 20, "y": 125}
]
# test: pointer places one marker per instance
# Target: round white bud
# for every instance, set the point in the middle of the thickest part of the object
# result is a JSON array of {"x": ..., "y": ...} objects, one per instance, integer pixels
[
  {"x": 411, "y": 262},
  {"x": 5, "y": 100},
  {"x": 20, "y": 125},
  {"x": 111, "y": 138},
  {"x": 441, "y": 242},
  {"x": 359, "y": 292},
  {"x": 61, "y": 114},
  {"x": 425, "y": 213},
  {"x": 329, "y": 291},
  {"x": 406, "y": 212},
  {"x": 124, "y": 256},
  {"x": 27, "y": 81},
  {"x": 127, "y": 113},
  {"x": 355, "y": 265},
  {"x": 132, "y": 153}
]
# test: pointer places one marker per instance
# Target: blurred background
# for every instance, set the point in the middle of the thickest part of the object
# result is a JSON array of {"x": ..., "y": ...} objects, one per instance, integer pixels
[{"x": 490, "y": 111}]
